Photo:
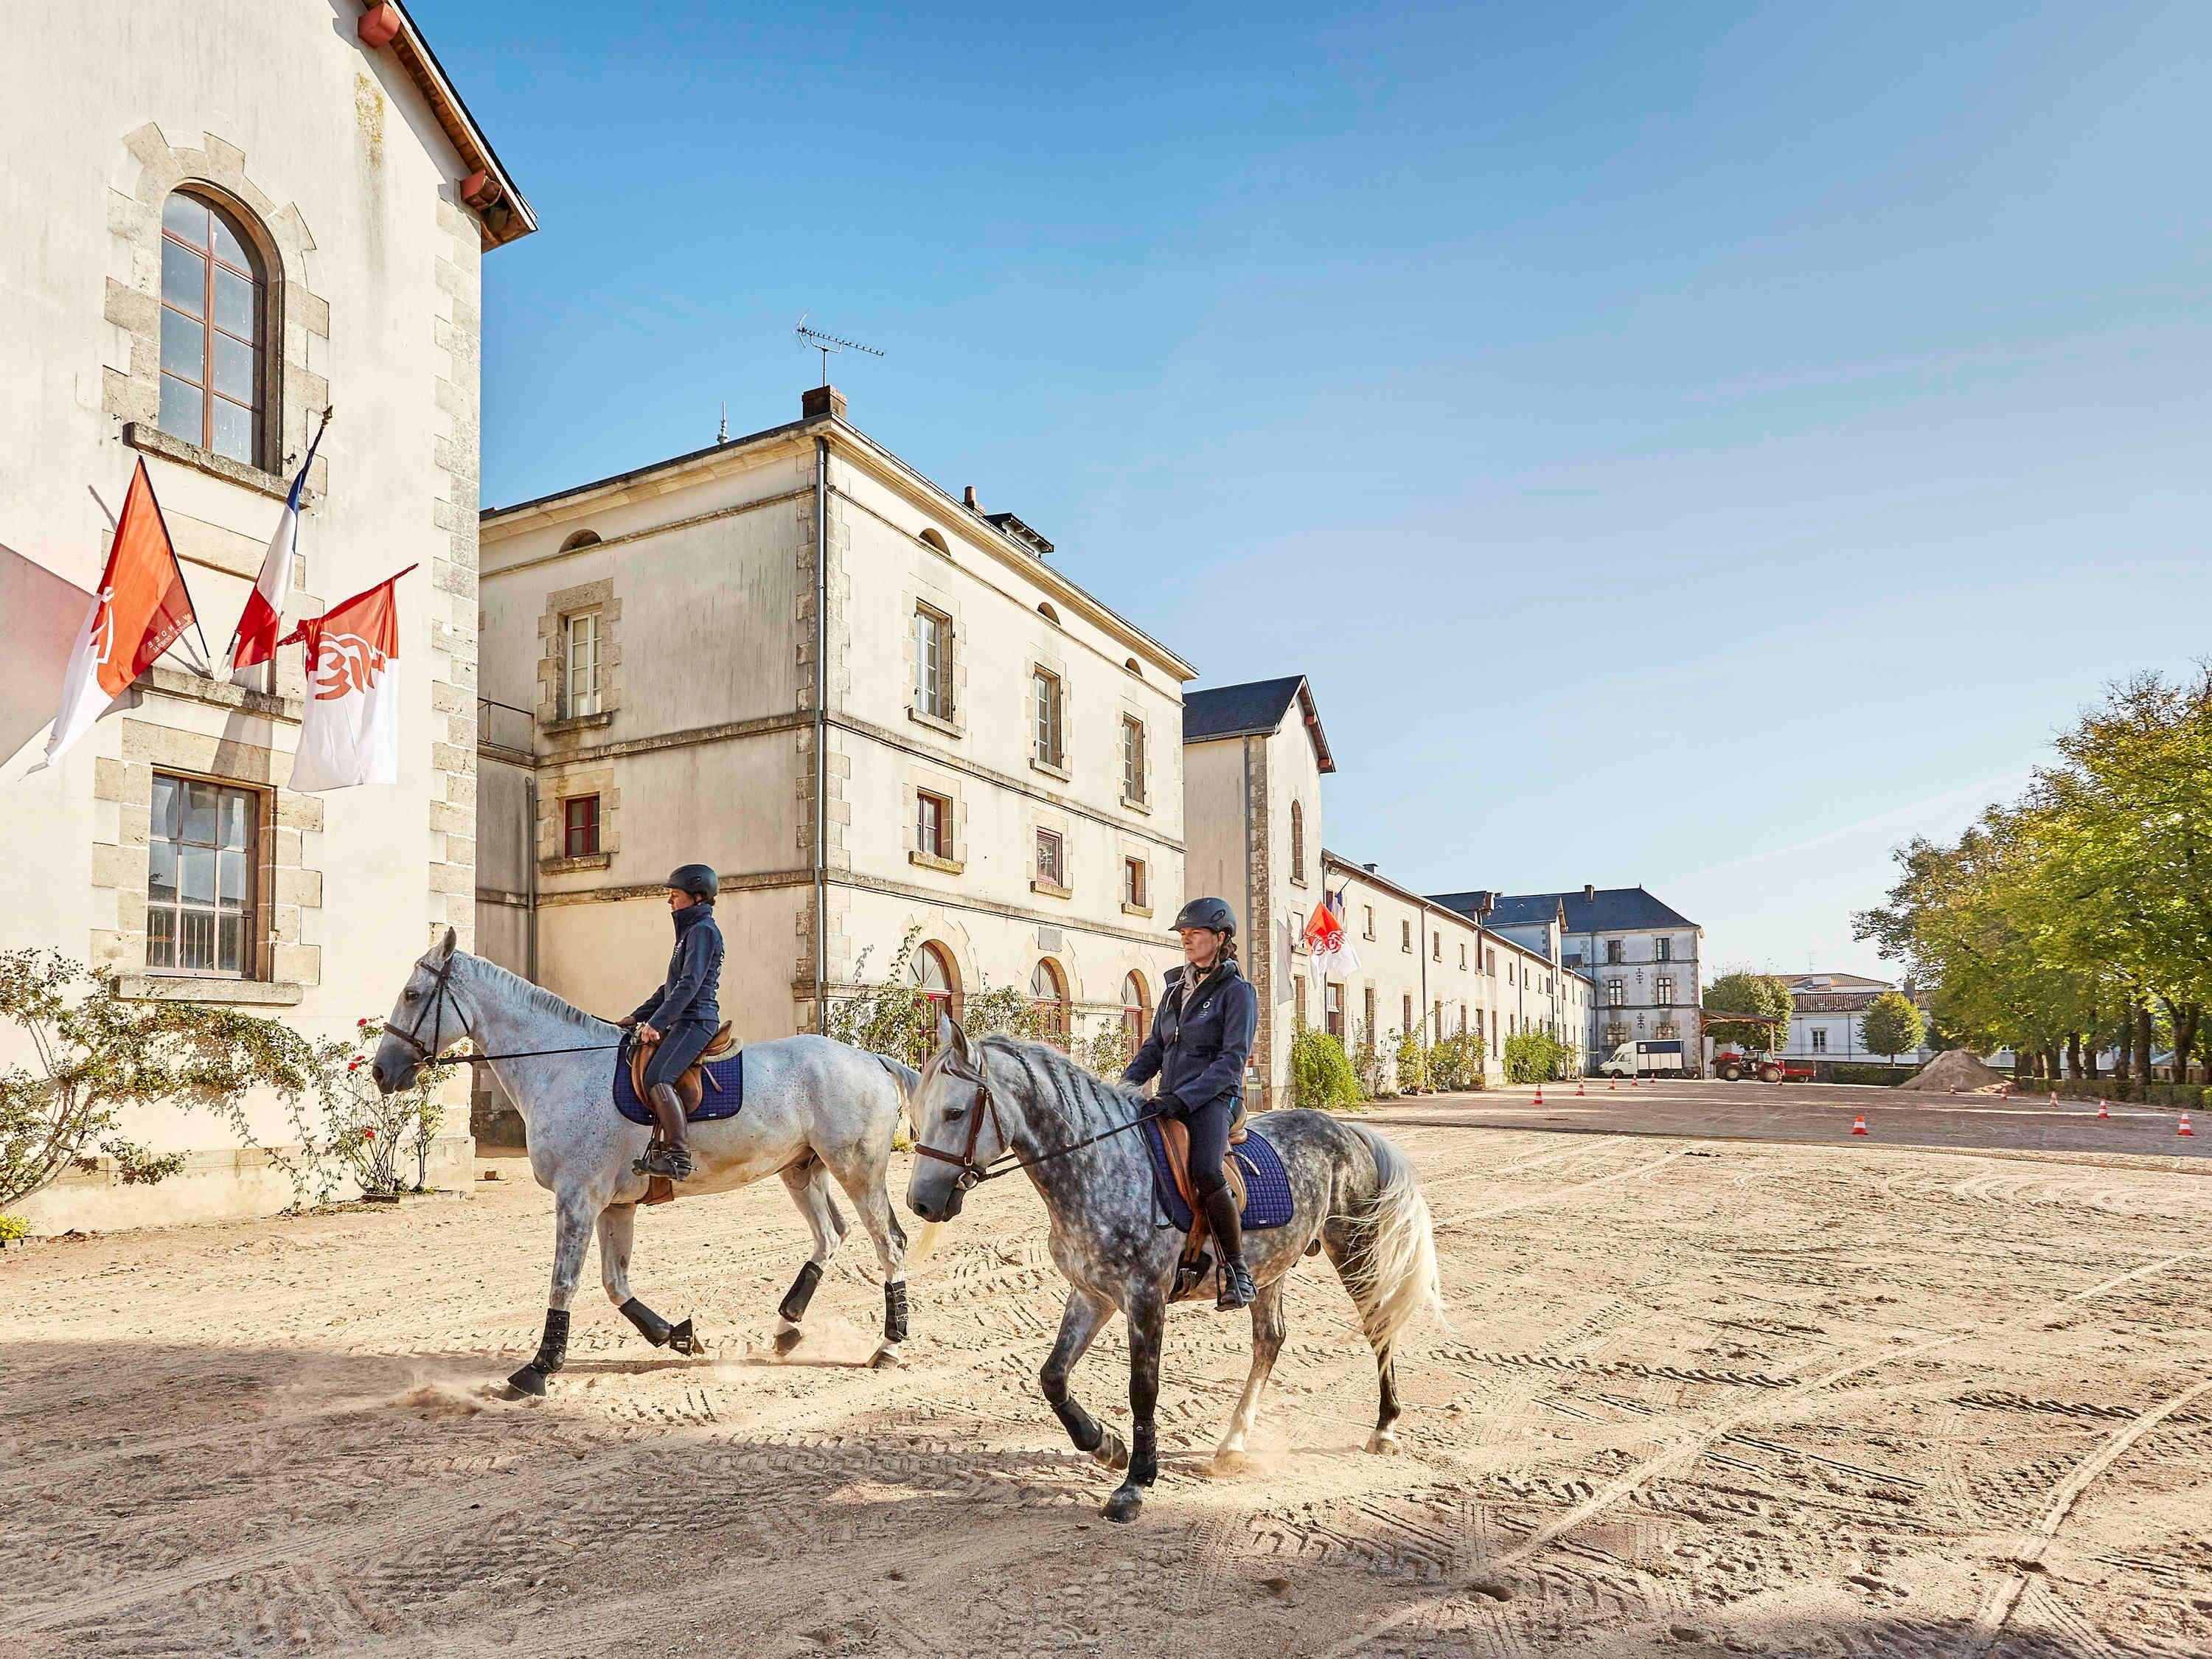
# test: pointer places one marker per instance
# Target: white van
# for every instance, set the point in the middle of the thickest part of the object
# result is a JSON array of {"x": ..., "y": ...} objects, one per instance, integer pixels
[{"x": 1663, "y": 1059}]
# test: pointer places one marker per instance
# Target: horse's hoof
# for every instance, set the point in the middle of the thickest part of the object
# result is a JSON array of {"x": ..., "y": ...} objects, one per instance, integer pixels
[
  {"x": 787, "y": 1338},
  {"x": 1127, "y": 1500},
  {"x": 887, "y": 1359},
  {"x": 528, "y": 1381},
  {"x": 1384, "y": 1443},
  {"x": 1231, "y": 1461},
  {"x": 1112, "y": 1451},
  {"x": 684, "y": 1340}
]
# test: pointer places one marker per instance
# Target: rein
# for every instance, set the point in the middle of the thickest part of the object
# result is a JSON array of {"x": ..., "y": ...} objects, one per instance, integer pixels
[
  {"x": 433, "y": 1053},
  {"x": 973, "y": 1174}
]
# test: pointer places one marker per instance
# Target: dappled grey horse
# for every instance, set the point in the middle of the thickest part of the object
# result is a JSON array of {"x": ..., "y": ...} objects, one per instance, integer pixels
[
  {"x": 813, "y": 1109},
  {"x": 1024, "y": 1106}
]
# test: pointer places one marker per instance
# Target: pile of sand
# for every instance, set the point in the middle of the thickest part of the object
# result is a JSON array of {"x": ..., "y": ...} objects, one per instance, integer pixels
[{"x": 1959, "y": 1071}]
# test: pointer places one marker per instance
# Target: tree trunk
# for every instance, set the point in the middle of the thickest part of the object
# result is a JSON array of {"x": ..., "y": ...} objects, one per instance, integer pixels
[
  {"x": 2144, "y": 1046},
  {"x": 2073, "y": 1055},
  {"x": 2185, "y": 1017},
  {"x": 2124, "y": 1048}
]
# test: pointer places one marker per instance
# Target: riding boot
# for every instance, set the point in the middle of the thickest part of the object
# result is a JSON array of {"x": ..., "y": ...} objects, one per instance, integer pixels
[
  {"x": 1228, "y": 1227},
  {"x": 668, "y": 1155}
]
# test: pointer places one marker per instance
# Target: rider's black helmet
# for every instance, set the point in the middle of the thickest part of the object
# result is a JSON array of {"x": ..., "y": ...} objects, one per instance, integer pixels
[
  {"x": 1206, "y": 913},
  {"x": 697, "y": 880}
]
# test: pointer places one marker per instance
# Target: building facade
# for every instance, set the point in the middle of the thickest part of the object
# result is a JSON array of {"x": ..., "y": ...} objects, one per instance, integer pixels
[
  {"x": 1825, "y": 1011},
  {"x": 1642, "y": 958},
  {"x": 882, "y": 714},
  {"x": 1255, "y": 755},
  {"x": 242, "y": 216}
]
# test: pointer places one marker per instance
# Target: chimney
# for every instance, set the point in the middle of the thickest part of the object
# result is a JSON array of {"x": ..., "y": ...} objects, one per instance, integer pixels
[
  {"x": 967, "y": 500},
  {"x": 1369, "y": 868},
  {"x": 1589, "y": 893},
  {"x": 819, "y": 400}
]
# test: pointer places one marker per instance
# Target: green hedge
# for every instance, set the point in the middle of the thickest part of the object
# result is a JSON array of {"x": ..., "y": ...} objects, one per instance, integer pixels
[
  {"x": 2183, "y": 1096},
  {"x": 1853, "y": 1071},
  {"x": 1320, "y": 1071}
]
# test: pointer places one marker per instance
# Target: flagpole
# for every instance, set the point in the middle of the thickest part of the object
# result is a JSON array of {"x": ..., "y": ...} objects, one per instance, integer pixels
[{"x": 315, "y": 443}]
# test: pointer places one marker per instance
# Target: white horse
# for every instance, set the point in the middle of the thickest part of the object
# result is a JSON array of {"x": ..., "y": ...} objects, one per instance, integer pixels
[{"x": 813, "y": 1108}]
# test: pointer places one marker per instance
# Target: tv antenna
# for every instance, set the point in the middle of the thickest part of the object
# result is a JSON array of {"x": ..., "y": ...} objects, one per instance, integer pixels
[{"x": 814, "y": 339}]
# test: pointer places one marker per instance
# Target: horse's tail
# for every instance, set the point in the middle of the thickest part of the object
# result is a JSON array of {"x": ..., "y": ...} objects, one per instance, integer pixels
[{"x": 1391, "y": 1268}]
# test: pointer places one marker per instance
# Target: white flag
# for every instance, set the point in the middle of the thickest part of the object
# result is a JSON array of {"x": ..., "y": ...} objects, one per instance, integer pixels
[{"x": 350, "y": 732}]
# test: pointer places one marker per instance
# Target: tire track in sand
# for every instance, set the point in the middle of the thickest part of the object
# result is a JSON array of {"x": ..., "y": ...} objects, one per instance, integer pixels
[
  {"x": 1687, "y": 1449},
  {"x": 1997, "y": 1608}
]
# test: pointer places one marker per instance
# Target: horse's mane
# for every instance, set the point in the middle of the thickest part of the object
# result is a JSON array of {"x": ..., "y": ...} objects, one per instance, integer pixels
[
  {"x": 534, "y": 996},
  {"x": 1057, "y": 1082}
]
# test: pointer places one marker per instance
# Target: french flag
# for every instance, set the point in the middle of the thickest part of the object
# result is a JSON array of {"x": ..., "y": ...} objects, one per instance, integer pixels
[{"x": 255, "y": 641}]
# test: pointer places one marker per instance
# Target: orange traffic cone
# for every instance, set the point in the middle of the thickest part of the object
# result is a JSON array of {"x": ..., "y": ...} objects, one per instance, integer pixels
[
  {"x": 2184, "y": 1129},
  {"x": 2054, "y": 1097},
  {"x": 1636, "y": 1083},
  {"x": 1858, "y": 1124},
  {"x": 2103, "y": 1111},
  {"x": 1539, "y": 1094},
  {"x": 1579, "y": 1091},
  {"x": 1611, "y": 1084}
]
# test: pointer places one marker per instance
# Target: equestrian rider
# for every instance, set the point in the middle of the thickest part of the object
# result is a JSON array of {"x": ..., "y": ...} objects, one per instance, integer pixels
[
  {"x": 1200, "y": 1039},
  {"x": 681, "y": 1016}
]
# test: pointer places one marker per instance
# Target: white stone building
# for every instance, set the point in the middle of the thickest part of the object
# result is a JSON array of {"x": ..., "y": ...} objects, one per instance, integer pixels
[
  {"x": 1255, "y": 755},
  {"x": 224, "y": 218},
  {"x": 995, "y": 765},
  {"x": 1641, "y": 955}
]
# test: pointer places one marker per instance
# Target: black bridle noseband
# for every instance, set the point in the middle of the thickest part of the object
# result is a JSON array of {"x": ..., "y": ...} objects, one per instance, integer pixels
[{"x": 973, "y": 1174}]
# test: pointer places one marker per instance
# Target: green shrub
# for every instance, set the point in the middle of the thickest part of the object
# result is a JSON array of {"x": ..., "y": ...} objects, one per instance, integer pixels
[
  {"x": 1411, "y": 1061},
  {"x": 1880, "y": 1076},
  {"x": 1456, "y": 1064},
  {"x": 2183, "y": 1096},
  {"x": 14, "y": 1229},
  {"x": 1320, "y": 1071},
  {"x": 1534, "y": 1057}
]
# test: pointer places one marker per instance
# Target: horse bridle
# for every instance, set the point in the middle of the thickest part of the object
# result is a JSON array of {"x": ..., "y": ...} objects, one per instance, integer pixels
[
  {"x": 427, "y": 1053},
  {"x": 973, "y": 1174}
]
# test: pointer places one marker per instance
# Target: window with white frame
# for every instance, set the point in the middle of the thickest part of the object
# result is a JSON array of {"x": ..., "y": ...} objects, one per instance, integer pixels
[
  {"x": 1662, "y": 989},
  {"x": 1133, "y": 883},
  {"x": 932, "y": 824},
  {"x": 1616, "y": 993},
  {"x": 582, "y": 641},
  {"x": 1664, "y": 949},
  {"x": 1046, "y": 701},
  {"x": 200, "y": 847},
  {"x": 933, "y": 663},
  {"x": 1820, "y": 1039},
  {"x": 1133, "y": 758},
  {"x": 1051, "y": 858}
]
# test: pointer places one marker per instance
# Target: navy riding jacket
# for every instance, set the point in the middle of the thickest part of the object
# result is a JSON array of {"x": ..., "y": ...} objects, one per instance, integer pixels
[
  {"x": 694, "y": 973},
  {"x": 1201, "y": 1040}
]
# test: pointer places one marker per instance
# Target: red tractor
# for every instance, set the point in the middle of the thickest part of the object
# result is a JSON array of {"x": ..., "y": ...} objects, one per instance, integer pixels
[{"x": 1731, "y": 1067}]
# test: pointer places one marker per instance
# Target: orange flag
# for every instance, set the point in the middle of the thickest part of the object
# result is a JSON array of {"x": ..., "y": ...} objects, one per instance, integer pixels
[{"x": 137, "y": 612}]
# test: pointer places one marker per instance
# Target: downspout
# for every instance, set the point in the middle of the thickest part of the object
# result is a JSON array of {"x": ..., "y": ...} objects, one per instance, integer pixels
[
  {"x": 530, "y": 878},
  {"x": 821, "y": 733},
  {"x": 1265, "y": 1083}
]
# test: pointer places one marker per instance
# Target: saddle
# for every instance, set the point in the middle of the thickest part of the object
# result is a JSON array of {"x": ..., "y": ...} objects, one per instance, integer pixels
[
  {"x": 1175, "y": 1136},
  {"x": 692, "y": 1087}
]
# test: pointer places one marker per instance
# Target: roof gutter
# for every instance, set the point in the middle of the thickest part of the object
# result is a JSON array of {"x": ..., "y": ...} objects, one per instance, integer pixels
[{"x": 503, "y": 215}]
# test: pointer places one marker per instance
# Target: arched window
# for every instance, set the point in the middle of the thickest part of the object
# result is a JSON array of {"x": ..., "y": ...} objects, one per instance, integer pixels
[
  {"x": 215, "y": 322},
  {"x": 930, "y": 971},
  {"x": 1136, "y": 1011},
  {"x": 1048, "y": 989},
  {"x": 1298, "y": 841},
  {"x": 1049, "y": 613},
  {"x": 582, "y": 539},
  {"x": 935, "y": 541}
]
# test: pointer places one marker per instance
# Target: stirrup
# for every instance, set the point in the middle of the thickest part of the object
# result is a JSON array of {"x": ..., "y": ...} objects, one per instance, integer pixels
[
  {"x": 674, "y": 1162},
  {"x": 1237, "y": 1289}
]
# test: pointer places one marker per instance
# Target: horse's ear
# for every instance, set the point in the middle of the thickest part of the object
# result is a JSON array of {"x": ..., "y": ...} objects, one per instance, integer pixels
[
  {"x": 950, "y": 1036},
  {"x": 445, "y": 945}
]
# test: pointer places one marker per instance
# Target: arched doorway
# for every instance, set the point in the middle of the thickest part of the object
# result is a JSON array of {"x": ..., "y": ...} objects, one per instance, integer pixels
[
  {"x": 1136, "y": 1011},
  {"x": 930, "y": 971},
  {"x": 1048, "y": 990}
]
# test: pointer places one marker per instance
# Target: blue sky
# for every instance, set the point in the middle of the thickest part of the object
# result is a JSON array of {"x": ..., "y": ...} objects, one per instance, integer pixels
[{"x": 1695, "y": 445}]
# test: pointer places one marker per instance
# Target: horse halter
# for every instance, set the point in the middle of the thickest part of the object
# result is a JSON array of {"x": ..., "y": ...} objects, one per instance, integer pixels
[
  {"x": 972, "y": 1173},
  {"x": 426, "y": 1054}
]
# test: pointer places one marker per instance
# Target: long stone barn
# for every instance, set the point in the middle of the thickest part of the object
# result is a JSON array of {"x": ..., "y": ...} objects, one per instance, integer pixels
[
  {"x": 875, "y": 708},
  {"x": 225, "y": 218}
]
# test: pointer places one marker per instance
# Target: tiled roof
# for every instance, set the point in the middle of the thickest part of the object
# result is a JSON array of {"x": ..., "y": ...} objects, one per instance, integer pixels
[
  {"x": 1611, "y": 909},
  {"x": 1255, "y": 708}
]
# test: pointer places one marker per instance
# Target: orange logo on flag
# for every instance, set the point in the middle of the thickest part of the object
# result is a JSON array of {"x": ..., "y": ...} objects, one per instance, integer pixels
[{"x": 344, "y": 663}]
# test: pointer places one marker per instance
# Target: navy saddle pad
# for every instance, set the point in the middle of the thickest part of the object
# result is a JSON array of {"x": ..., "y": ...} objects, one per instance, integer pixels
[
  {"x": 1267, "y": 1188},
  {"x": 724, "y": 1094}
]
